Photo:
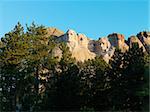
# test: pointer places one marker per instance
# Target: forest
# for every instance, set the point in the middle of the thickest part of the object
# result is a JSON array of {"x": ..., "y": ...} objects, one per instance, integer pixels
[{"x": 33, "y": 79}]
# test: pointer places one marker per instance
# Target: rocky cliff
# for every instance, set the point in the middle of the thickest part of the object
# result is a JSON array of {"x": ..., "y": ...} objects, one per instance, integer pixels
[
  {"x": 84, "y": 48},
  {"x": 118, "y": 40},
  {"x": 144, "y": 37}
]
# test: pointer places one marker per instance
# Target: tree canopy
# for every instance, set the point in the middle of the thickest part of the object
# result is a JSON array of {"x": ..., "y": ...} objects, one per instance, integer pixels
[{"x": 32, "y": 78}]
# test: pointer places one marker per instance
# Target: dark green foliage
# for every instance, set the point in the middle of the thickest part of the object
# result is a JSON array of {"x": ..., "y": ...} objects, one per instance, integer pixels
[
  {"x": 67, "y": 92},
  {"x": 63, "y": 93},
  {"x": 23, "y": 56},
  {"x": 94, "y": 84},
  {"x": 32, "y": 79},
  {"x": 128, "y": 79}
]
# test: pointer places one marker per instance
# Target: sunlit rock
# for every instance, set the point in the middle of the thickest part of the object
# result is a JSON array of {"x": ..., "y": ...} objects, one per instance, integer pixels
[
  {"x": 134, "y": 39},
  {"x": 118, "y": 40},
  {"x": 78, "y": 45},
  {"x": 105, "y": 49},
  {"x": 144, "y": 37}
]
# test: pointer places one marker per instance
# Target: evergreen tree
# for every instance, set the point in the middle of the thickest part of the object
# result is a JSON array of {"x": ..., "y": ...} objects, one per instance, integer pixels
[
  {"x": 93, "y": 84},
  {"x": 12, "y": 56},
  {"x": 134, "y": 77},
  {"x": 23, "y": 57},
  {"x": 64, "y": 92},
  {"x": 115, "y": 78},
  {"x": 127, "y": 79},
  {"x": 33, "y": 79}
]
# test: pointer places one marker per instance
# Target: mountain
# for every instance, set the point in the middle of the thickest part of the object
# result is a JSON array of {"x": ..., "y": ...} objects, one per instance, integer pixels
[{"x": 84, "y": 48}]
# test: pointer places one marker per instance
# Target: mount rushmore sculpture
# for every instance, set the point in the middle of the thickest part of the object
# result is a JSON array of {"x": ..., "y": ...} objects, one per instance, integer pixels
[{"x": 84, "y": 48}]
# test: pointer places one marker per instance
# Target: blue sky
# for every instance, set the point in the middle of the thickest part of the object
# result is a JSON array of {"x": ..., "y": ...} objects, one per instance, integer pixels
[{"x": 95, "y": 18}]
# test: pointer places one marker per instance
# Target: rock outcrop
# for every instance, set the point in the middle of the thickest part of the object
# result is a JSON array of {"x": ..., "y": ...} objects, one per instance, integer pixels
[
  {"x": 84, "y": 48},
  {"x": 134, "y": 39},
  {"x": 118, "y": 40},
  {"x": 144, "y": 37},
  {"x": 54, "y": 32}
]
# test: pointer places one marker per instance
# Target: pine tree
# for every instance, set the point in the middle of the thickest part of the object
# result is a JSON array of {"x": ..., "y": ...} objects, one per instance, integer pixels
[
  {"x": 127, "y": 79},
  {"x": 23, "y": 57},
  {"x": 134, "y": 77},
  {"x": 93, "y": 84}
]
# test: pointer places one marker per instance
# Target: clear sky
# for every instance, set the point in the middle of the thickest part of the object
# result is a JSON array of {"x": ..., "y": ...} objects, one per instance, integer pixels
[{"x": 95, "y": 18}]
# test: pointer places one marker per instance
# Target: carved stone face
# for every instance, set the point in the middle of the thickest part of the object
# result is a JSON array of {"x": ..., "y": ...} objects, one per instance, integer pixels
[
  {"x": 82, "y": 40},
  {"x": 72, "y": 36},
  {"x": 104, "y": 44}
]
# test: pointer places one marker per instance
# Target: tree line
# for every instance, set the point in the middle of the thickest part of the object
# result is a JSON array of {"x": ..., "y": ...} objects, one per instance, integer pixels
[{"x": 33, "y": 79}]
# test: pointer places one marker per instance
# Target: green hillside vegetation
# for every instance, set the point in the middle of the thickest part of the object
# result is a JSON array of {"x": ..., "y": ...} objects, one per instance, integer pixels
[{"x": 33, "y": 79}]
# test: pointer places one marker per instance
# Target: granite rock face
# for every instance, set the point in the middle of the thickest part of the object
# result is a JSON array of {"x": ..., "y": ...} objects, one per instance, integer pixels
[
  {"x": 78, "y": 45},
  {"x": 134, "y": 39},
  {"x": 84, "y": 48},
  {"x": 144, "y": 37},
  {"x": 118, "y": 40},
  {"x": 51, "y": 31},
  {"x": 104, "y": 49}
]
